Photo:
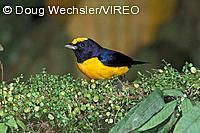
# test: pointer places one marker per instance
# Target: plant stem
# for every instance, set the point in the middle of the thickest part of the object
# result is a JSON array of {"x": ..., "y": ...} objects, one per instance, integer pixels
[{"x": 1, "y": 65}]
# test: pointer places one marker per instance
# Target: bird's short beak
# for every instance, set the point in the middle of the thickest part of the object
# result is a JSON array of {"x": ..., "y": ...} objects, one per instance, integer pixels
[{"x": 71, "y": 46}]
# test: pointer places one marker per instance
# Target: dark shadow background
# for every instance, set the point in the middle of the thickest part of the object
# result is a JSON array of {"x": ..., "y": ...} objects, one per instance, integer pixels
[{"x": 162, "y": 30}]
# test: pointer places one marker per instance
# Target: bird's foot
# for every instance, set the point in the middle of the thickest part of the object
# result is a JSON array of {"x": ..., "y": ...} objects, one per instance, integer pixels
[
  {"x": 119, "y": 86},
  {"x": 120, "y": 83}
]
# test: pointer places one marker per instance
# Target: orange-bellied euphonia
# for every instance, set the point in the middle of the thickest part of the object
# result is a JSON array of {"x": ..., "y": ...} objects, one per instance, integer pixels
[{"x": 97, "y": 62}]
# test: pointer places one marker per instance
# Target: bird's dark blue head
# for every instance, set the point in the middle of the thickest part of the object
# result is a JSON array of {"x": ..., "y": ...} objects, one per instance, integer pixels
[{"x": 84, "y": 48}]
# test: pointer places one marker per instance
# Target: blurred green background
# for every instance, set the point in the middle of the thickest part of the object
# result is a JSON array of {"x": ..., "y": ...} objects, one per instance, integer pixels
[{"x": 167, "y": 30}]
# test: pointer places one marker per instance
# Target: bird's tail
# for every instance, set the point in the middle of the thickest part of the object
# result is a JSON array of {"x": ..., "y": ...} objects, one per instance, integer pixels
[{"x": 135, "y": 62}]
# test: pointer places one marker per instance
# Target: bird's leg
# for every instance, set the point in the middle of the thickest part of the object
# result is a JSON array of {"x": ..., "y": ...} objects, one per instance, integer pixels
[{"x": 121, "y": 79}]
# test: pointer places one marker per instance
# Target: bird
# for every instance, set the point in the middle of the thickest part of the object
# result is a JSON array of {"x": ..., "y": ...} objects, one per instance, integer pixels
[{"x": 97, "y": 62}]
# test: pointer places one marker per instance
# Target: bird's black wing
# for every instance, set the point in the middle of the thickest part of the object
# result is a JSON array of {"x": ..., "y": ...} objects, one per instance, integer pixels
[{"x": 114, "y": 58}]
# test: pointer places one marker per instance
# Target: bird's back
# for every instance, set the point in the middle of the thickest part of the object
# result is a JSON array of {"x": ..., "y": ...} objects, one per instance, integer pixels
[{"x": 116, "y": 59}]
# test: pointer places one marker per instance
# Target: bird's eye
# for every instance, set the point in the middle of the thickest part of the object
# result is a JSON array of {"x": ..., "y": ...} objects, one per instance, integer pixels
[{"x": 82, "y": 45}]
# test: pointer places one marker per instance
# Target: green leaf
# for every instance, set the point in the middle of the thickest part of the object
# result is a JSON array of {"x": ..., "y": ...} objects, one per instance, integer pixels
[
  {"x": 12, "y": 123},
  {"x": 169, "y": 125},
  {"x": 173, "y": 92},
  {"x": 50, "y": 116},
  {"x": 143, "y": 112},
  {"x": 160, "y": 116},
  {"x": 123, "y": 121},
  {"x": 190, "y": 122},
  {"x": 21, "y": 124},
  {"x": 186, "y": 105},
  {"x": 3, "y": 128}
]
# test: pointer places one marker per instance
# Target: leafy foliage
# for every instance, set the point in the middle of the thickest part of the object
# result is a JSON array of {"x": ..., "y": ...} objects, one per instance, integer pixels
[
  {"x": 160, "y": 117},
  {"x": 62, "y": 103},
  {"x": 178, "y": 110},
  {"x": 190, "y": 122},
  {"x": 142, "y": 113},
  {"x": 48, "y": 102}
]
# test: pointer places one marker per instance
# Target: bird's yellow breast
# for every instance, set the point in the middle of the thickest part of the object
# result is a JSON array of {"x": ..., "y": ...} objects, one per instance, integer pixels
[{"x": 95, "y": 69}]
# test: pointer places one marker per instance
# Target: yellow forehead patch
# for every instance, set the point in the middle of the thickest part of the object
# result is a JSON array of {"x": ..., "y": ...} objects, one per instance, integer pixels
[{"x": 80, "y": 39}]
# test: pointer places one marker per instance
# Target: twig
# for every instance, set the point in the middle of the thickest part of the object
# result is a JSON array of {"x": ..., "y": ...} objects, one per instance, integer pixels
[
  {"x": 1, "y": 65},
  {"x": 116, "y": 115},
  {"x": 89, "y": 124}
]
